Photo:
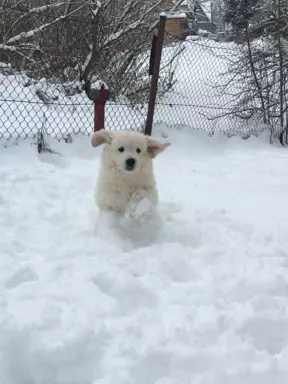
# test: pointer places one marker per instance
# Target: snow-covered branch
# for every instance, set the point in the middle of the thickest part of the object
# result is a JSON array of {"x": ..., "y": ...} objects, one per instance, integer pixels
[
  {"x": 32, "y": 32},
  {"x": 5, "y": 47}
]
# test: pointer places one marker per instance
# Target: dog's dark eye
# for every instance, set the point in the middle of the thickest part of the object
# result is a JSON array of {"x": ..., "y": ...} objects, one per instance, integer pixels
[
  {"x": 138, "y": 150},
  {"x": 121, "y": 149}
]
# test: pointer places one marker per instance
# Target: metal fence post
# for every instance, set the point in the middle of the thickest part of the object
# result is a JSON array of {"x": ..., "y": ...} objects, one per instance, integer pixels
[{"x": 155, "y": 74}]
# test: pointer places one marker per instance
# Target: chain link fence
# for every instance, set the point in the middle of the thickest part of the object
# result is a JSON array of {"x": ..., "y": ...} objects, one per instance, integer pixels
[{"x": 42, "y": 80}]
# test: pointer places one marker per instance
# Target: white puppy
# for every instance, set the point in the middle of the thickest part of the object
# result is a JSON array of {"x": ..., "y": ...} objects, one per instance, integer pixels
[{"x": 126, "y": 183}]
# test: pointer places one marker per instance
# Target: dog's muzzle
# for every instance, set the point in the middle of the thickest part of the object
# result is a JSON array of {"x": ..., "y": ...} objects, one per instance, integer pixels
[{"x": 130, "y": 164}]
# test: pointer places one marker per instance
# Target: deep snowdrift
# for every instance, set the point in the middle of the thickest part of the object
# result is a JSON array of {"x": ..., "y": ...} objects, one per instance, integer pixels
[{"x": 204, "y": 301}]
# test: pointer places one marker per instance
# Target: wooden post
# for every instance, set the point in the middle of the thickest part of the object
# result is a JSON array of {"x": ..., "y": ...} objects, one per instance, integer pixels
[{"x": 156, "y": 68}]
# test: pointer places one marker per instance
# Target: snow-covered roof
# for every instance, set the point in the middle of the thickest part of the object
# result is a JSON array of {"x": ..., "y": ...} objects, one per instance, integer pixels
[{"x": 177, "y": 16}]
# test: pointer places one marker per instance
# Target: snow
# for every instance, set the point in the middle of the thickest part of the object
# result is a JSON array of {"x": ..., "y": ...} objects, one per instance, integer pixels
[
  {"x": 202, "y": 299},
  {"x": 5, "y": 65},
  {"x": 5, "y": 47},
  {"x": 97, "y": 84},
  {"x": 175, "y": 16}
]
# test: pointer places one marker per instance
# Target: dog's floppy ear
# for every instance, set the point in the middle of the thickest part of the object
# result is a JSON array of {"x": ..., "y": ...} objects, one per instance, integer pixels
[
  {"x": 155, "y": 146},
  {"x": 101, "y": 137}
]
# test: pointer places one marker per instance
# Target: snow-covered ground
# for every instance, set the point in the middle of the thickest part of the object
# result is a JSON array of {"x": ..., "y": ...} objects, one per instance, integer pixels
[{"x": 202, "y": 301}]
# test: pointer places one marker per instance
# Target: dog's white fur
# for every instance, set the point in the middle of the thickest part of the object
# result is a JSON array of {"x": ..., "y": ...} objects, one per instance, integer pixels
[{"x": 117, "y": 189}]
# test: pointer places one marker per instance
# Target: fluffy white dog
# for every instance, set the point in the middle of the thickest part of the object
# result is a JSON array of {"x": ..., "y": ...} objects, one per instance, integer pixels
[{"x": 126, "y": 183}]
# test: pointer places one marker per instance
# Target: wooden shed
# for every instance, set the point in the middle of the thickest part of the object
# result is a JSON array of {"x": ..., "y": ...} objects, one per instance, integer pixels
[{"x": 176, "y": 26}]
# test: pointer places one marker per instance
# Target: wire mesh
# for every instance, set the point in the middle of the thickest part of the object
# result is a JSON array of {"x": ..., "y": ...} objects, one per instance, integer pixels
[{"x": 43, "y": 72}]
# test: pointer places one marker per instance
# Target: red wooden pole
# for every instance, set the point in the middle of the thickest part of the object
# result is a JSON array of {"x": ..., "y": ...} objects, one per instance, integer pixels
[
  {"x": 99, "y": 109},
  {"x": 99, "y": 98}
]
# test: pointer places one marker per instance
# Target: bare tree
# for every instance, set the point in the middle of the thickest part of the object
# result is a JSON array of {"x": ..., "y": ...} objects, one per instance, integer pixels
[
  {"x": 257, "y": 75},
  {"x": 81, "y": 40}
]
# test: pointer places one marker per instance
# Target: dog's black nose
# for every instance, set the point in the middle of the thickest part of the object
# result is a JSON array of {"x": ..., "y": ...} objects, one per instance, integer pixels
[{"x": 130, "y": 163}]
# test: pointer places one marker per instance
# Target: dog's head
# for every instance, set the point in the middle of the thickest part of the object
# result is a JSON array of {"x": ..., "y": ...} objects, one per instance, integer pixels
[{"x": 128, "y": 151}]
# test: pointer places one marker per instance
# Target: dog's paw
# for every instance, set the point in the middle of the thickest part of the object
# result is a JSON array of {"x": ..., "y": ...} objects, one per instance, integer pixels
[
  {"x": 137, "y": 214},
  {"x": 142, "y": 209}
]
